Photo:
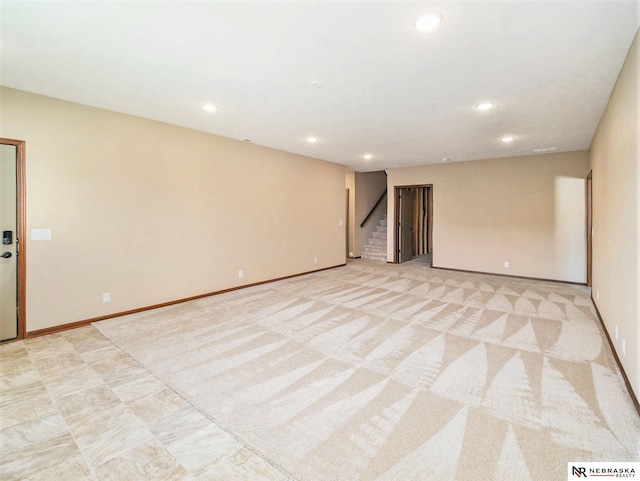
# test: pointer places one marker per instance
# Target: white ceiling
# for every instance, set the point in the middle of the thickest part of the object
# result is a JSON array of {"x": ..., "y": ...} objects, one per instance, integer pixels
[{"x": 406, "y": 97}]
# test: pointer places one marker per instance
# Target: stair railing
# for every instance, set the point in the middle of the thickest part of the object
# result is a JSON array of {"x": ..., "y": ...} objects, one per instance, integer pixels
[{"x": 374, "y": 208}]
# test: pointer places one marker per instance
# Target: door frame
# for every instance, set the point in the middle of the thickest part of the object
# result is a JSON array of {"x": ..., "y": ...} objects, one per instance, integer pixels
[
  {"x": 396, "y": 208},
  {"x": 405, "y": 198},
  {"x": 589, "y": 206},
  {"x": 347, "y": 225},
  {"x": 21, "y": 234}
]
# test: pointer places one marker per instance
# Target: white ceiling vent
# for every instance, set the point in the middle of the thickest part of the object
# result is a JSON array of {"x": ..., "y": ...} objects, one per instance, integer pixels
[{"x": 545, "y": 150}]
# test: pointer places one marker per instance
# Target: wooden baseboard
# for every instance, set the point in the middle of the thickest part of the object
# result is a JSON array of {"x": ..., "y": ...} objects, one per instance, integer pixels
[
  {"x": 615, "y": 355},
  {"x": 512, "y": 276},
  {"x": 74, "y": 325}
]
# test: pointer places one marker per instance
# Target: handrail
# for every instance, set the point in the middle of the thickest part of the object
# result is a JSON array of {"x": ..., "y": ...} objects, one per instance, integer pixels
[{"x": 373, "y": 208}]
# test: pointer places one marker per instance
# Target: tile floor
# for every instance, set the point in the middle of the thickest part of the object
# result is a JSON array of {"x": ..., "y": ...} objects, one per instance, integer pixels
[{"x": 73, "y": 406}]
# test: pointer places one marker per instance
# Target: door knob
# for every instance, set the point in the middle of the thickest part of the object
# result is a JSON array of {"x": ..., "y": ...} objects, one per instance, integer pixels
[{"x": 6, "y": 255}]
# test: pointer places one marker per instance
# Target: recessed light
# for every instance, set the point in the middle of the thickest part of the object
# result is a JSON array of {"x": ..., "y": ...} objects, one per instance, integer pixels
[
  {"x": 545, "y": 150},
  {"x": 484, "y": 106},
  {"x": 507, "y": 139},
  {"x": 368, "y": 156},
  {"x": 209, "y": 108},
  {"x": 312, "y": 140},
  {"x": 428, "y": 22}
]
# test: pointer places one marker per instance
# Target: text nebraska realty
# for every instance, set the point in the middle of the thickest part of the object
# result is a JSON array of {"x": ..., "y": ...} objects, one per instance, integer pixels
[{"x": 607, "y": 472}]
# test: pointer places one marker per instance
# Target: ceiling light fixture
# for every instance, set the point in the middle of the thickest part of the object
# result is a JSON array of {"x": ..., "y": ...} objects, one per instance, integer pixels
[
  {"x": 484, "y": 106},
  {"x": 445, "y": 159},
  {"x": 507, "y": 139},
  {"x": 209, "y": 108},
  {"x": 368, "y": 156},
  {"x": 312, "y": 140},
  {"x": 428, "y": 22}
]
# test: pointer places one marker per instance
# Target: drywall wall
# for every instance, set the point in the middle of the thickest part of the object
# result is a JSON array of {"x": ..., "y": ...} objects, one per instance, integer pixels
[
  {"x": 151, "y": 212},
  {"x": 528, "y": 211},
  {"x": 615, "y": 164}
]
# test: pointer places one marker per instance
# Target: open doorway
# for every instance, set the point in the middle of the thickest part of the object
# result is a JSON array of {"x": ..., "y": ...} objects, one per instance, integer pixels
[{"x": 414, "y": 223}]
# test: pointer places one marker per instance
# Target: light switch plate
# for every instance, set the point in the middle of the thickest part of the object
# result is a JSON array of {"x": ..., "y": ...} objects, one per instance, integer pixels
[{"x": 40, "y": 234}]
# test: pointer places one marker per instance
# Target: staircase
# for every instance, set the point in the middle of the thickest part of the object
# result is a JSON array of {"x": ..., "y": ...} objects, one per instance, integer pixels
[{"x": 376, "y": 247}]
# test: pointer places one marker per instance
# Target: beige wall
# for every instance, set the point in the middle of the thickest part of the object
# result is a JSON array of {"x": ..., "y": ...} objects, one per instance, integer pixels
[
  {"x": 151, "y": 212},
  {"x": 528, "y": 211},
  {"x": 615, "y": 161}
]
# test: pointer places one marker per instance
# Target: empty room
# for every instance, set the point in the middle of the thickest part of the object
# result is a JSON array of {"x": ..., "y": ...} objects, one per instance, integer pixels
[{"x": 319, "y": 240}]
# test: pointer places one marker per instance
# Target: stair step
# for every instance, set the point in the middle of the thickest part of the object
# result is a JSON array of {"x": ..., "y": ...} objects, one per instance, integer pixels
[
  {"x": 376, "y": 255},
  {"x": 377, "y": 244},
  {"x": 376, "y": 247}
]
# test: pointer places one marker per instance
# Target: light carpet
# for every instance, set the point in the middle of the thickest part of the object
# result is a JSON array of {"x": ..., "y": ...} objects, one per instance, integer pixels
[{"x": 376, "y": 372}]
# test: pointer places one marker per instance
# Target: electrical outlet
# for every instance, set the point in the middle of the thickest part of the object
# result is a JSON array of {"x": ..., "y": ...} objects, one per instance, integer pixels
[
  {"x": 624, "y": 348},
  {"x": 240, "y": 273},
  {"x": 616, "y": 331},
  {"x": 106, "y": 297},
  {"x": 315, "y": 260},
  {"x": 597, "y": 295},
  {"x": 506, "y": 264}
]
